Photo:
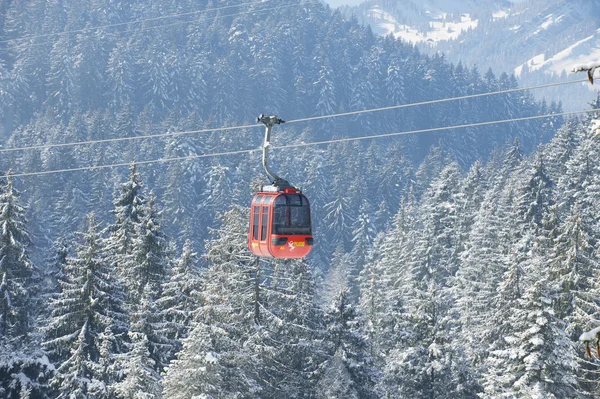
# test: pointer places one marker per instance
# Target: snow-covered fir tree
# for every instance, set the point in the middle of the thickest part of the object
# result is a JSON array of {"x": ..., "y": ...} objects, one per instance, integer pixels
[
  {"x": 217, "y": 358},
  {"x": 24, "y": 370},
  {"x": 140, "y": 365},
  {"x": 16, "y": 270},
  {"x": 350, "y": 371},
  {"x": 148, "y": 263},
  {"x": 88, "y": 324},
  {"x": 129, "y": 210},
  {"x": 539, "y": 359},
  {"x": 181, "y": 296}
]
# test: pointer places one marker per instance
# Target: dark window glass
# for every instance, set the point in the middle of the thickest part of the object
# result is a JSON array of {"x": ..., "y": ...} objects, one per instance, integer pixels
[
  {"x": 255, "y": 223},
  {"x": 291, "y": 215},
  {"x": 265, "y": 219}
]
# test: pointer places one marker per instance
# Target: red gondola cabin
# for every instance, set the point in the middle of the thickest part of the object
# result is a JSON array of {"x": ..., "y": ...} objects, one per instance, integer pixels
[{"x": 280, "y": 224}]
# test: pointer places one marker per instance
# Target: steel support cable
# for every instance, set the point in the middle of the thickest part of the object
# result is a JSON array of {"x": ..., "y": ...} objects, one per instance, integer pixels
[
  {"x": 211, "y": 130},
  {"x": 315, "y": 143},
  {"x": 137, "y": 21},
  {"x": 443, "y": 100},
  {"x": 187, "y": 22},
  {"x": 436, "y": 129}
]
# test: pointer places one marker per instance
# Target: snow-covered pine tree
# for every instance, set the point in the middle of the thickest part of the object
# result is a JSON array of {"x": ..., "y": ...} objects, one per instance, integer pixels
[
  {"x": 381, "y": 300},
  {"x": 120, "y": 75},
  {"x": 535, "y": 195},
  {"x": 510, "y": 291},
  {"x": 217, "y": 358},
  {"x": 539, "y": 360},
  {"x": 430, "y": 361},
  {"x": 56, "y": 266},
  {"x": 142, "y": 364},
  {"x": 338, "y": 216},
  {"x": 60, "y": 88},
  {"x": 180, "y": 196},
  {"x": 23, "y": 368},
  {"x": 16, "y": 270},
  {"x": 441, "y": 223},
  {"x": 294, "y": 323},
  {"x": 148, "y": 262},
  {"x": 324, "y": 88},
  {"x": 88, "y": 323},
  {"x": 90, "y": 64},
  {"x": 471, "y": 194},
  {"x": 562, "y": 148},
  {"x": 180, "y": 298},
  {"x": 349, "y": 371},
  {"x": 572, "y": 269},
  {"x": 363, "y": 236},
  {"x": 482, "y": 265},
  {"x": 579, "y": 183},
  {"x": 129, "y": 210},
  {"x": 430, "y": 169},
  {"x": 141, "y": 380}
]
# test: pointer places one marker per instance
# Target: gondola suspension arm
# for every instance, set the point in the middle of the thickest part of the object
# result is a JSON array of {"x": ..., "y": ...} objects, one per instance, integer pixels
[{"x": 269, "y": 122}]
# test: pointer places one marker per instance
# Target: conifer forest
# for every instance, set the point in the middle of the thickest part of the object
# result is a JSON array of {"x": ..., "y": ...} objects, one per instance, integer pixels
[{"x": 447, "y": 263}]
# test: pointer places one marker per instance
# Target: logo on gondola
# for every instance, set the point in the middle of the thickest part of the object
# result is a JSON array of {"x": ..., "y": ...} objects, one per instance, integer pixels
[{"x": 293, "y": 245}]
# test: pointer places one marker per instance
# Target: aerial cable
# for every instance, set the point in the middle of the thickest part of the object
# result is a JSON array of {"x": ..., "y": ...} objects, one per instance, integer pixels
[
  {"x": 248, "y": 126},
  {"x": 206, "y": 18},
  {"x": 121, "y": 139},
  {"x": 253, "y": 150},
  {"x": 138, "y": 21},
  {"x": 123, "y": 164},
  {"x": 443, "y": 100},
  {"x": 434, "y": 129}
]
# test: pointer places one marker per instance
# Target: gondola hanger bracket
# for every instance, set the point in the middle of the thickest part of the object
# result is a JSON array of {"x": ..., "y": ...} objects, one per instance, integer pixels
[{"x": 270, "y": 121}]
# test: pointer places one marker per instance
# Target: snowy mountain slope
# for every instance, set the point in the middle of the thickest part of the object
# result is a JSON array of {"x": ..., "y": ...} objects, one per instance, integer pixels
[
  {"x": 583, "y": 51},
  {"x": 539, "y": 41},
  {"x": 429, "y": 21}
]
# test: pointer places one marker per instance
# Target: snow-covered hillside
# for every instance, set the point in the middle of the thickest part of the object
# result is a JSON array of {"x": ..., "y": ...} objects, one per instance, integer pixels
[
  {"x": 429, "y": 21},
  {"x": 539, "y": 41},
  {"x": 582, "y": 51}
]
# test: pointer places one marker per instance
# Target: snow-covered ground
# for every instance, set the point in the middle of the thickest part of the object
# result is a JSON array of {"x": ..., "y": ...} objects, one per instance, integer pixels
[
  {"x": 581, "y": 52},
  {"x": 439, "y": 30},
  {"x": 440, "y": 26}
]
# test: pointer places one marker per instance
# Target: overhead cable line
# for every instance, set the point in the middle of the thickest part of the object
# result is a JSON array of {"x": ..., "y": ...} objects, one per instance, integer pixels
[
  {"x": 185, "y": 22},
  {"x": 443, "y": 100},
  {"x": 315, "y": 143},
  {"x": 435, "y": 129},
  {"x": 173, "y": 134},
  {"x": 121, "y": 139},
  {"x": 138, "y": 21}
]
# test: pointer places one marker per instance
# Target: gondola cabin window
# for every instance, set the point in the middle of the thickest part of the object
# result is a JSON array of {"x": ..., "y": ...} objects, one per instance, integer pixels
[
  {"x": 291, "y": 215},
  {"x": 255, "y": 223},
  {"x": 265, "y": 223}
]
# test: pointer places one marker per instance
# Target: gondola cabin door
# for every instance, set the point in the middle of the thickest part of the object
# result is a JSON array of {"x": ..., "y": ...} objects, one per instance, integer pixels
[{"x": 280, "y": 225}]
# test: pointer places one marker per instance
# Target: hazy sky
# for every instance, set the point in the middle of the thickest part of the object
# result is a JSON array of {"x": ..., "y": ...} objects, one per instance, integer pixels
[{"x": 335, "y": 3}]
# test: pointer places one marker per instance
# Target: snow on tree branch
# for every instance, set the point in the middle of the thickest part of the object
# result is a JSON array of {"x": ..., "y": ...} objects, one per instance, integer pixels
[
  {"x": 595, "y": 127},
  {"x": 590, "y": 68},
  {"x": 590, "y": 336}
]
